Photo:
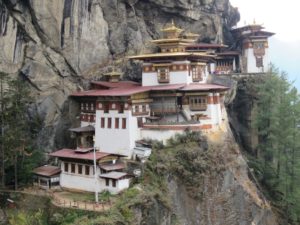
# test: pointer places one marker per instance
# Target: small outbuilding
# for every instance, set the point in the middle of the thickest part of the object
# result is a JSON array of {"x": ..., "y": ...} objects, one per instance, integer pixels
[
  {"x": 115, "y": 182},
  {"x": 46, "y": 176}
]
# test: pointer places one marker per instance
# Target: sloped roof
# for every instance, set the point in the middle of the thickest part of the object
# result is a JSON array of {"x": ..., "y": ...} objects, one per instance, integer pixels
[
  {"x": 47, "y": 171},
  {"x": 110, "y": 167},
  {"x": 88, "y": 128},
  {"x": 71, "y": 154},
  {"x": 113, "y": 175},
  {"x": 124, "y": 91},
  {"x": 140, "y": 89}
]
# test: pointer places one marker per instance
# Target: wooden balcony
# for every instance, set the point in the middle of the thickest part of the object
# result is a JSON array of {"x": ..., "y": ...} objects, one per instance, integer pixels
[{"x": 198, "y": 107}]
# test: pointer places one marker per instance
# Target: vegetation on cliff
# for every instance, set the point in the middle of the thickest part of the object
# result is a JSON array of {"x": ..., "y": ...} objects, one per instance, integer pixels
[
  {"x": 276, "y": 162},
  {"x": 18, "y": 157}
]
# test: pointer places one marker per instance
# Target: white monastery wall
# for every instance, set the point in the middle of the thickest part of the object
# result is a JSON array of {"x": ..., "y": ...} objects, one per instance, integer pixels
[
  {"x": 180, "y": 77},
  {"x": 120, "y": 185},
  {"x": 149, "y": 79},
  {"x": 116, "y": 140},
  {"x": 251, "y": 62},
  {"x": 79, "y": 182}
]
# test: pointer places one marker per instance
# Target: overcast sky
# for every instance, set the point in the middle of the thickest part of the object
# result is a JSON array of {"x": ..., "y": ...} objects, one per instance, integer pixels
[{"x": 282, "y": 18}]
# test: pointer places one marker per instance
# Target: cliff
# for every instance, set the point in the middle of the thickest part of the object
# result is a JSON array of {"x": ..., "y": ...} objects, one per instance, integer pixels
[
  {"x": 207, "y": 181},
  {"x": 56, "y": 45}
]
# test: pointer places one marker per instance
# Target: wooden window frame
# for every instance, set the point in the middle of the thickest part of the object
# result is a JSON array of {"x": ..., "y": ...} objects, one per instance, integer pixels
[
  {"x": 198, "y": 103},
  {"x": 79, "y": 169},
  {"x": 163, "y": 74},
  {"x": 102, "y": 121},
  {"x": 87, "y": 170},
  {"x": 121, "y": 108},
  {"x": 136, "y": 109},
  {"x": 66, "y": 167},
  {"x": 109, "y": 122},
  {"x": 197, "y": 73},
  {"x": 105, "y": 107},
  {"x": 123, "y": 123},
  {"x": 73, "y": 168},
  {"x": 117, "y": 120}
]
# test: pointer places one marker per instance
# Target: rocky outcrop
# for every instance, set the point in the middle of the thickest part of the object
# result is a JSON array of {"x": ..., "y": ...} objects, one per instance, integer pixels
[
  {"x": 58, "y": 44},
  {"x": 242, "y": 109},
  {"x": 228, "y": 197},
  {"x": 203, "y": 180}
]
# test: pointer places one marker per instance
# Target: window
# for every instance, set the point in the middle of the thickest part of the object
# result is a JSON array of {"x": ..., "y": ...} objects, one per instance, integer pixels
[
  {"x": 136, "y": 108},
  {"x": 163, "y": 75},
  {"x": 114, "y": 183},
  {"x": 198, "y": 103},
  {"x": 144, "y": 108},
  {"x": 196, "y": 73},
  {"x": 106, "y": 181},
  {"x": 72, "y": 168},
  {"x": 106, "y": 108},
  {"x": 121, "y": 108},
  {"x": 80, "y": 169},
  {"x": 102, "y": 122},
  {"x": 117, "y": 123},
  {"x": 140, "y": 122},
  {"x": 123, "y": 123},
  {"x": 87, "y": 170},
  {"x": 66, "y": 167},
  {"x": 108, "y": 122}
]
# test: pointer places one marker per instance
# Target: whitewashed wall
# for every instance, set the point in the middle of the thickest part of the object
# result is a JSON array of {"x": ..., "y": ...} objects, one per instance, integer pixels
[
  {"x": 112, "y": 140},
  {"x": 251, "y": 62}
]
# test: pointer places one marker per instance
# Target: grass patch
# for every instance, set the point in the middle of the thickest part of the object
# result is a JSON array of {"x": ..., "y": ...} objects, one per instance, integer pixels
[{"x": 86, "y": 196}]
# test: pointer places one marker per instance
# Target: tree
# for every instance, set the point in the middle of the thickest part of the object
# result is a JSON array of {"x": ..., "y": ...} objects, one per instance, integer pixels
[
  {"x": 4, "y": 100},
  {"x": 17, "y": 131},
  {"x": 278, "y": 121}
]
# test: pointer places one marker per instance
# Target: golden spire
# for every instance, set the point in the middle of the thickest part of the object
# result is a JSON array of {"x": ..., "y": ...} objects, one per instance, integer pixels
[
  {"x": 171, "y": 28},
  {"x": 114, "y": 75}
]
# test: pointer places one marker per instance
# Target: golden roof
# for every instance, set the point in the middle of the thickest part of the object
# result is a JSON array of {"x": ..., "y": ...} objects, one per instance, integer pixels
[
  {"x": 190, "y": 34},
  {"x": 171, "y": 28},
  {"x": 175, "y": 40},
  {"x": 174, "y": 54},
  {"x": 113, "y": 73}
]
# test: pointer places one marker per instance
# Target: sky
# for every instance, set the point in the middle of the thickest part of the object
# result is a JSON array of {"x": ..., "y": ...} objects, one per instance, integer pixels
[{"x": 282, "y": 18}]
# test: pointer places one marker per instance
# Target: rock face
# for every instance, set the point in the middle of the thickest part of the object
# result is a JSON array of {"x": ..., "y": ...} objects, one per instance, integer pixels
[
  {"x": 206, "y": 182},
  {"x": 229, "y": 197},
  {"x": 57, "y": 44}
]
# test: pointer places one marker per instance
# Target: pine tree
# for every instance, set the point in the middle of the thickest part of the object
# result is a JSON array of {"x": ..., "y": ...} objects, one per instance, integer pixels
[
  {"x": 4, "y": 101},
  {"x": 278, "y": 120}
]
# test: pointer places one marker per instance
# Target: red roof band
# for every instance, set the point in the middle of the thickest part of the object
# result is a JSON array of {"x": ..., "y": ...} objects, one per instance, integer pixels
[
  {"x": 134, "y": 89},
  {"x": 71, "y": 154}
]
